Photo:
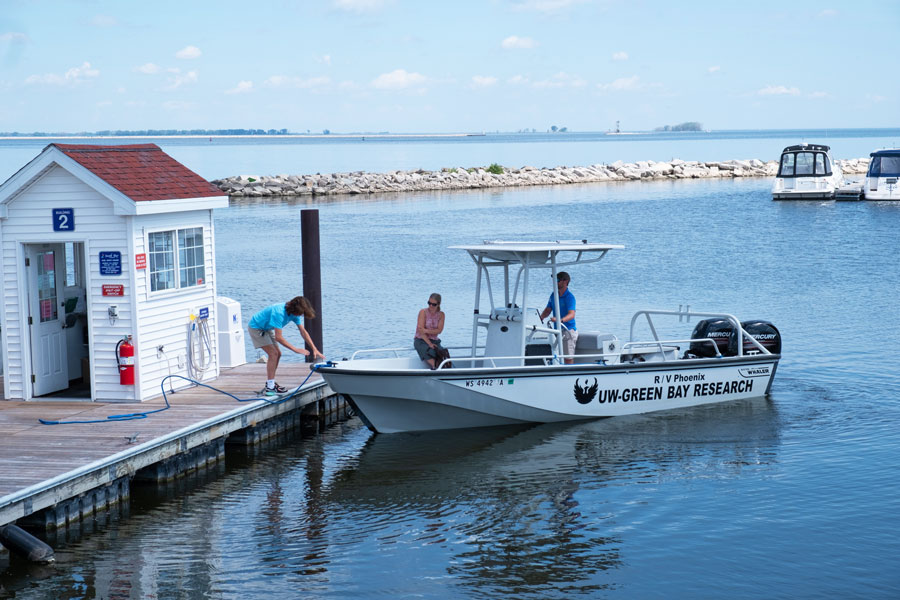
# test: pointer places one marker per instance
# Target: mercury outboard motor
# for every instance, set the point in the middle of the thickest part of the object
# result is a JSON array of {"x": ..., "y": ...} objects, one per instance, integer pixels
[
  {"x": 719, "y": 330},
  {"x": 763, "y": 332}
]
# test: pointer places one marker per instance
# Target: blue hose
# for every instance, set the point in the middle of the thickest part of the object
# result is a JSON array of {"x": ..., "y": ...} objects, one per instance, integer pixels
[{"x": 143, "y": 415}]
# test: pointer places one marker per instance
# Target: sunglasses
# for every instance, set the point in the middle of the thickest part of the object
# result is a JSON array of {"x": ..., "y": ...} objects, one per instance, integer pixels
[{"x": 430, "y": 303}]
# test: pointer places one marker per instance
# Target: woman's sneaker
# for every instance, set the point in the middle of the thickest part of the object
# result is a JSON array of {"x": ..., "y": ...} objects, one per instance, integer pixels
[{"x": 267, "y": 391}]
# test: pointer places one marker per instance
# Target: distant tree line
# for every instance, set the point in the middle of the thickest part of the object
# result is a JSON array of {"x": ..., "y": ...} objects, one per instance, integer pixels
[
  {"x": 689, "y": 126},
  {"x": 147, "y": 132}
]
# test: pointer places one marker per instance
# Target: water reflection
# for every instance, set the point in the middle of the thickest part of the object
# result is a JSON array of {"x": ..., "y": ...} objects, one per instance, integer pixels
[{"x": 526, "y": 511}]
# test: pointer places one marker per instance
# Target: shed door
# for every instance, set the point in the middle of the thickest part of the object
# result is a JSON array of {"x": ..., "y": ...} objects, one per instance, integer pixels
[{"x": 45, "y": 264}]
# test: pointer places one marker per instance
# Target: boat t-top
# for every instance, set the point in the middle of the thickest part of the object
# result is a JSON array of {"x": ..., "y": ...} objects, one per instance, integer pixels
[
  {"x": 515, "y": 371},
  {"x": 806, "y": 172},
  {"x": 882, "y": 175}
]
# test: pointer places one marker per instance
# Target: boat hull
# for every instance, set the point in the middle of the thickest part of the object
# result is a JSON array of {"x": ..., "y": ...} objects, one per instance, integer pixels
[{"x": 421, "y": 400}]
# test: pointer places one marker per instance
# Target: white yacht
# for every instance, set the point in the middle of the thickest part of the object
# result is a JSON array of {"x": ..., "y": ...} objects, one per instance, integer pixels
[
  {"x": 882, "y": 176},
  {"x": 514, "y": 370},
  {"x": 806, "y": 172}
]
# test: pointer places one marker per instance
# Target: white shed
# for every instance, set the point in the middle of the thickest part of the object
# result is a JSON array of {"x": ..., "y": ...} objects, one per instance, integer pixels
[{"x": 98, "y": 243}]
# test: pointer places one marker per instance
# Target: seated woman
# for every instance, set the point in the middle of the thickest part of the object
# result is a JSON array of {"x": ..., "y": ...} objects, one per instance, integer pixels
[{"x": 429, "y": 326}]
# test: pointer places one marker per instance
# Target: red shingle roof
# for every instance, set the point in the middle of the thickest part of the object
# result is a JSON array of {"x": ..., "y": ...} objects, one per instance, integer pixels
[{"x": 141, "y": 171}]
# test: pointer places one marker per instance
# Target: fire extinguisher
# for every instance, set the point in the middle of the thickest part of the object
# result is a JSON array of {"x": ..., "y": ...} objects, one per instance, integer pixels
[{"x": 125, "y": 360}]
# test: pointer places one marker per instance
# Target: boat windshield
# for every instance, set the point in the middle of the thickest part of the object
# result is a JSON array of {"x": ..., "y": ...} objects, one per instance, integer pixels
[
  {"x": 804, "y": 164},
  {"x": 887, "y": 165}
]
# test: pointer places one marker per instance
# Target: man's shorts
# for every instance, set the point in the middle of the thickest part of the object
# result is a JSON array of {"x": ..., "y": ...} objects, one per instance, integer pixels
[
  {"x": 570, "y": 338},
  {"x": 261, "y": 338}
]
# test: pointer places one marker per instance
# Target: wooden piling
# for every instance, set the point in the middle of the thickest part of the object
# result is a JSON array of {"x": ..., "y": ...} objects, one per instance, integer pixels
[{"x": 312, "y": 275}]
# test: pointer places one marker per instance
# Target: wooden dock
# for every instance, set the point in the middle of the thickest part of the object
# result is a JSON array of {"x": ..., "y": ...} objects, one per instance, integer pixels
[{"x": 84, "y": 467}]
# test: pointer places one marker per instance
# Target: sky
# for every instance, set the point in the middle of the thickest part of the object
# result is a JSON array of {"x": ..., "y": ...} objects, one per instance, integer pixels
[{"x": 430, "y": 66}]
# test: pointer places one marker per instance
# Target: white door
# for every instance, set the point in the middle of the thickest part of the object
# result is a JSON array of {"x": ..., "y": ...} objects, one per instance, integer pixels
[{"x": 46, "y": 266}]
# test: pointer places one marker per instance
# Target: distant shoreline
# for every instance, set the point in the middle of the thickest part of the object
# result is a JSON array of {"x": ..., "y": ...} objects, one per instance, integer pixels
[{"x": 240, "y": 137}]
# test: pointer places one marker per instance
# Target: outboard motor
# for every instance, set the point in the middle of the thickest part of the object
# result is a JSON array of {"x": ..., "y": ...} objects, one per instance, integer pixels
[
  {"x": 720, "y": 331},
  {"x": 763, "y": 332}
]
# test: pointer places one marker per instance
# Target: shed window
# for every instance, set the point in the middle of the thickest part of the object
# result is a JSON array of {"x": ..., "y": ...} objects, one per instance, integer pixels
[{"x": 165, "y": 263}]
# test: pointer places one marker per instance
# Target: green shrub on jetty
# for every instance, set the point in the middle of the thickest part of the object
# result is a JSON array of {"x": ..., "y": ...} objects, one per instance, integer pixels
[{"x": 495, "y": 169}]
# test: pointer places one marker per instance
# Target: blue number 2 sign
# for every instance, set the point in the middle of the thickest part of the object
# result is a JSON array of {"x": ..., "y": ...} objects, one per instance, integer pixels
[{"x": 63, "y": 219}]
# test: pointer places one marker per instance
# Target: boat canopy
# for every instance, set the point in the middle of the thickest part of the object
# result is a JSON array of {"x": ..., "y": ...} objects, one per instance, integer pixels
[
  {"x": 537, "y": 254},
  {"x": 884, "y": 163}
]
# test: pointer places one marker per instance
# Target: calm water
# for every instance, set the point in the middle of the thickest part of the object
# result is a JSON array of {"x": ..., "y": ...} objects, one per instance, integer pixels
[
  {"x": 216, "y": 158},
  {"x": 794, "y": 496}
]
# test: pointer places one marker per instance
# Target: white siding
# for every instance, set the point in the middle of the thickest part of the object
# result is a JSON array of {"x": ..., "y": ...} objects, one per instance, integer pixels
[
  {"x": 165, "y": 316},
  {"x": 29, "y": 221}
]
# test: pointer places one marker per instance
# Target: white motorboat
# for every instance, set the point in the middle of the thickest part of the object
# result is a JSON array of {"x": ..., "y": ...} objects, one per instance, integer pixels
[
  {"x": 882, "y": 175},
  {"x": 806, "y": 172},
  {"x": 518, "y": 373}
]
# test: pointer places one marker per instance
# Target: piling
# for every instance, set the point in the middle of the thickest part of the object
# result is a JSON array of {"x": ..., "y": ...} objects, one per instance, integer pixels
[{"x": 312, "y": 278}]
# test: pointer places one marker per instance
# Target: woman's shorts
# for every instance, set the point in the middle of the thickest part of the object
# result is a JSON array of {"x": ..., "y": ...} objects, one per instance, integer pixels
[
  {"x": 424, "y": 351},
  {"x": 261, "y": 338}
]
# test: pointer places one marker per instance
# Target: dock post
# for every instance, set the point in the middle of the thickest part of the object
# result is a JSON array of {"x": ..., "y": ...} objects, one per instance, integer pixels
[{"x": 312, "y": 278}]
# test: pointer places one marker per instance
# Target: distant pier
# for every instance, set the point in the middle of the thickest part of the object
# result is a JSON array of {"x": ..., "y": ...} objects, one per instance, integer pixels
[{"x": 496, "y": 176}]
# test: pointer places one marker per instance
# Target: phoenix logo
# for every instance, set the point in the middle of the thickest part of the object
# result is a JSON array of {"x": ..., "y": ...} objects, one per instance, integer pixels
[{"x": 584, "y": 394}]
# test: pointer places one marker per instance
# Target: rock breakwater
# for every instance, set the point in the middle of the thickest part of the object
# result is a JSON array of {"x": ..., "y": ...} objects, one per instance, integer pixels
[{"x": 460, "y": 178}]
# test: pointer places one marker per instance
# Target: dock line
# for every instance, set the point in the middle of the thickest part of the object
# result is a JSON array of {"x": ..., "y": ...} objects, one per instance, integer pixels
[{"x": 143, "y": 415}]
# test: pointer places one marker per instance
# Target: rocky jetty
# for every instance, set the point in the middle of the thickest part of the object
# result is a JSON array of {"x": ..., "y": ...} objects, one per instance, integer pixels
[{"x": 459, "y": 178}]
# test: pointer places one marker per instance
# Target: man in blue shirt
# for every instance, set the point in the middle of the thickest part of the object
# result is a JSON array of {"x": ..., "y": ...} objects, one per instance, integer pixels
[{"x": 567, "y": 314}]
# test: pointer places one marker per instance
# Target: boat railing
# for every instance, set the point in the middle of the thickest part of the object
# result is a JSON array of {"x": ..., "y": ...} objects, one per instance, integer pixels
[
  {"x": 546, "y": 358},
  {"x": 659, "y": 344},
  {"x": 686, "y": 314},
  {"x": 404, "y": 350}
]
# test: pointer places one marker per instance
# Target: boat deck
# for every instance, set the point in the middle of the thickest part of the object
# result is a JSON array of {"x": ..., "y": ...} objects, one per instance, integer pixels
[{"x": 41, "y": 465}]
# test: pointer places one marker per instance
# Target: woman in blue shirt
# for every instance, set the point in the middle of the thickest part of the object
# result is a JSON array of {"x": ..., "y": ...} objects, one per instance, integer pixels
[{"x": 265, "y": 332}]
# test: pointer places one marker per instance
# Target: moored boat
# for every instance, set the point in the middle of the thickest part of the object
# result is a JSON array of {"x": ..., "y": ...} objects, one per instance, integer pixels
[
  {"x": 515, "y": 371},
  {"x": 806, "y": 172},
  {"x": 883, "y": 175}
]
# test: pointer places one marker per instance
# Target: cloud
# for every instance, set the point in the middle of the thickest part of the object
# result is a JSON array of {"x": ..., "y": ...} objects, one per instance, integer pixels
[
  {"x": 177, "y": 105},
  {"x": 13, "y": 36},
  {"x": 325, "y": 59},
  {"x": 483, "y": 81},
  {"x": 546, "y": 6},
  {"x": 828, "y": 13},
  {"x": 359, "y": 6},
  {"x": 241, "y": 88},
  {"x": 620, "y": 56},
  {"x": 818, "y": 95},
  {"x": 188, "y": 52},
  {"x": 517, "y": 80},
  {"x": 714, "y": 69},
  {"x": 778, "y": 90},
  {"x": 73, "y": 76},
  {"x": 104, "y": 21},
  {"x": 516, "y": 42},
  {"x": 296, "y": 82},
  {"x": 178, "y": 79},
  {"x": 623, "y": 84},
  {"x": 398, "y": 79},
  {"x": 148, "y": 69},
  {"x": 561, "y": 80}
]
